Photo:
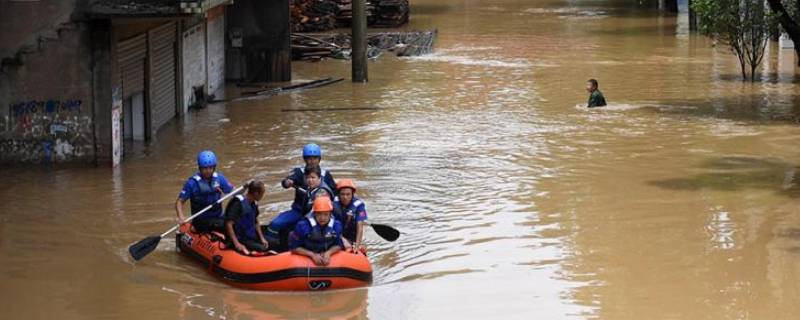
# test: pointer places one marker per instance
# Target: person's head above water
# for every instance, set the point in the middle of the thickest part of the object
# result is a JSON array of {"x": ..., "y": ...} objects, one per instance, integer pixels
[
  {"x": 313, "y": 175},
  {"x": 312, "y": 154},
  {"x": 591, "y": 85}
]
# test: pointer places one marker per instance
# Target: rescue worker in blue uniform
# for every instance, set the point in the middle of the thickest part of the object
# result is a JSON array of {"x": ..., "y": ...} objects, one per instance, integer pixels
[
  {"x": 279, "y": 228},
  {"x": 312, "y": 155},
  {"x": 352, "y": 213},
  {"x": 241, "y": 220},
  {"x": 202, "y": 189},
  {"x": 320, "y": 236}
]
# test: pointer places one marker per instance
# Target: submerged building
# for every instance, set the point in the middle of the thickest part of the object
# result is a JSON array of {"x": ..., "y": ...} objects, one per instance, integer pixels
[{"x": 80, "y": 78}]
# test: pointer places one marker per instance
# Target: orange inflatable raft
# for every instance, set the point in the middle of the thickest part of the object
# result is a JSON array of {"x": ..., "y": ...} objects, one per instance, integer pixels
[{"x": 279, "y": 272}]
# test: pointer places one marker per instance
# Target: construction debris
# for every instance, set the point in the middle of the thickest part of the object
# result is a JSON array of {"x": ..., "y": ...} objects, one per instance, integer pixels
[
  {"x": 294, "y": 87},
  {"x": 313, "y": 15},
  {"x": 324, "y": 15},
  {"x": 337, "y": 45},
  {"x": 389, "y": 14}
]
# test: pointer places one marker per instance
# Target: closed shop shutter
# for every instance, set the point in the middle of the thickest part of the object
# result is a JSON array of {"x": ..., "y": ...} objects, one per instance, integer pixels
[
  {"x": 162, "y": 74},
  {"x": 194, "y": 63},
  {"x": 131, "y": 55},
  {"x": 216, "y": 51}
]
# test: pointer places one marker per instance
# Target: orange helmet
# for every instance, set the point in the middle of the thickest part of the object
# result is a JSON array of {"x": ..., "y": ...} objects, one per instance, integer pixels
[
  {"x": 322, "y": 204},
  {"x": 346, "y": 183}
]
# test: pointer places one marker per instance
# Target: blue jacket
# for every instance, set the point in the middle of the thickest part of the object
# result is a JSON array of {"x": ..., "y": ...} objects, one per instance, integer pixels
[
  {"x": 298, "y": 176},
  {"x": 350, "y": 216},
  {"x": 202, "y": 193},
  {"x": 314, "y": 237}
]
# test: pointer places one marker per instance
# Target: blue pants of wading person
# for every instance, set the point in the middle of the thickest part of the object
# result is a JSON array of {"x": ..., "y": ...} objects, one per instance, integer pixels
[{"x": 278, "y": 230}]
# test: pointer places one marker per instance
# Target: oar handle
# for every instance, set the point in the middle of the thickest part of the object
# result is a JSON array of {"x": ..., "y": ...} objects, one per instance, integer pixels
[{"x": 234, "y": 192}]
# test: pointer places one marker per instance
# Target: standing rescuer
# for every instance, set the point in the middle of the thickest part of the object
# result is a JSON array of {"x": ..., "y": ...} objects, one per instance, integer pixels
[
  {"x": 318, "y": 237},
  {"x": 202, "y": 189},
  {"x": 241, "y": 220},
  {"x": 352, "y": 212}
]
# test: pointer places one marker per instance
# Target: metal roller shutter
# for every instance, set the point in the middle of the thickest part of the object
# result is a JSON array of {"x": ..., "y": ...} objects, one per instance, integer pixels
[
  {"x": 132, "y": 54},
  {"x": 162, "y": 74}
]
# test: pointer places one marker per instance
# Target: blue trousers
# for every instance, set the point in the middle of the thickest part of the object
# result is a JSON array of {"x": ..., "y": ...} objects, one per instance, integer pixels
[{"x": 279, "y": 228}]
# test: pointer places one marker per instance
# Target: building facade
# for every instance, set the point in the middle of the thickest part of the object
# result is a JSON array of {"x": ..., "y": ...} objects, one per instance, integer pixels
[{"x": 80, "y": 78}]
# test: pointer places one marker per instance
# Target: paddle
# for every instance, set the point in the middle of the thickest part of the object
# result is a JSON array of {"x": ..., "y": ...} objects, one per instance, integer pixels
[
  {"x": 388, "y": 233},
  {"x": 147, "y": 245}
]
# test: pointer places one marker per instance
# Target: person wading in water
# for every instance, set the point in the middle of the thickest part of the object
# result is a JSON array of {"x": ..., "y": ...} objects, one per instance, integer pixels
[{"x": 596, "y": 98}]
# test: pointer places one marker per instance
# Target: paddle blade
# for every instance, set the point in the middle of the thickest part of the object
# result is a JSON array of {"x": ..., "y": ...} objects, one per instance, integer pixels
[
  {"x": 386, "y": 232},
  {"x": 142, "y": 248}
]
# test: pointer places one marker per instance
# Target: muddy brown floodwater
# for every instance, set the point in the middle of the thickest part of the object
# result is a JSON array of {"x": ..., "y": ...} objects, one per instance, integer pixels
[{"x": 681, "y": 200}]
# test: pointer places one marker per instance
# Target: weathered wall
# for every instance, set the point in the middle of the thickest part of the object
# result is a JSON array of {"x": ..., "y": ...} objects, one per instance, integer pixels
[
  {"x": 215, "y": 33},
  {"x": 22, "y": 22},
  {"x": 46, "y": 102},
  {"x": 266, "y": 38},
  {"x": 194, "y": 62}
]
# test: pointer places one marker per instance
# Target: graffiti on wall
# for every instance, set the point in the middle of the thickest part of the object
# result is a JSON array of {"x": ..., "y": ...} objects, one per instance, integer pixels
[
  {"x": 46, "y": 130},
  {"x": 22, "y": 109}
]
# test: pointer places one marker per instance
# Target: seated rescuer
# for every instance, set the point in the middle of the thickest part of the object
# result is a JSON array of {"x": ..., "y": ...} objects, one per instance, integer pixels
[
  {"x": 202, "y": 189},
  {"x": 351, "y": 212},
  {"x": 312, "y": 156},
  {"x": 279, "y": 228},
  {"x": 318, "y": 237},
  {"x": 241, "y": 220}
]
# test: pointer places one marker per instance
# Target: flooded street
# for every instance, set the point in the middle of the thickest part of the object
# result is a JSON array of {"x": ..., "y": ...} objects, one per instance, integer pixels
[{"x": 680, "y": 200}]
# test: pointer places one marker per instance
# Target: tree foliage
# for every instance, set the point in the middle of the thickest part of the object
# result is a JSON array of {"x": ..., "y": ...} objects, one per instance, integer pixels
[
  {"x": 743, "y": 25},
  {"x": 787, "y": 12}
]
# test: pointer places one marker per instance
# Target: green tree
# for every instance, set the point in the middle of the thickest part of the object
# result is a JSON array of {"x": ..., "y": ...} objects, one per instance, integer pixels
[
  {"x": 788, "y": 14},
  {"x": 743, "y": 25}
]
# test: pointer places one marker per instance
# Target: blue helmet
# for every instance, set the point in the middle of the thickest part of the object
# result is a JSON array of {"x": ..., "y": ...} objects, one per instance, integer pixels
[
  {"x": 206, "y": 158},
  {"x": 312, "y": 150}
]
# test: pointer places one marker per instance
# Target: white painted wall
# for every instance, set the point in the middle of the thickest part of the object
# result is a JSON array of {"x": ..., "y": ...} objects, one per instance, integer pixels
[
  {"x": 216, "y": 56},
  {"x": 194, "y": 62}
]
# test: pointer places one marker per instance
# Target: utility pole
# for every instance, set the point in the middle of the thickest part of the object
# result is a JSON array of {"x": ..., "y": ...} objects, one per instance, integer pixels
[{"x": 358, "y": 54}]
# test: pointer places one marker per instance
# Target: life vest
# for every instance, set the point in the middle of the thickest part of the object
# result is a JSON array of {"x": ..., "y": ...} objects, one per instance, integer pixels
[
  {"x": 301, "y": 199},
  {"x": 347, "y": 216},
  {"x": 310, "y": 195},
  {"x": 321, "y": 238},
  {"x": 245, "y": 226},
  {"x": 207, "y": 194}
]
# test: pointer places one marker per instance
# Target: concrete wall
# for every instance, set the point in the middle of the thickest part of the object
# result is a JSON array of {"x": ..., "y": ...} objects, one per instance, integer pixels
[
  {"x": 266, "y": 38},
  {"x": 215, "y": 32},
  {"x": 46, "y": 102},
  {"x": 194, "y": 62},
  {"x": 22, "y": 22}
]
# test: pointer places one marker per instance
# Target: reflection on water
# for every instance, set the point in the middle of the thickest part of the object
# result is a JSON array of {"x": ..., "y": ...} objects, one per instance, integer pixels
[
  {"x": 677, "y": 201},
  {"x": 232, "y": 304}
]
